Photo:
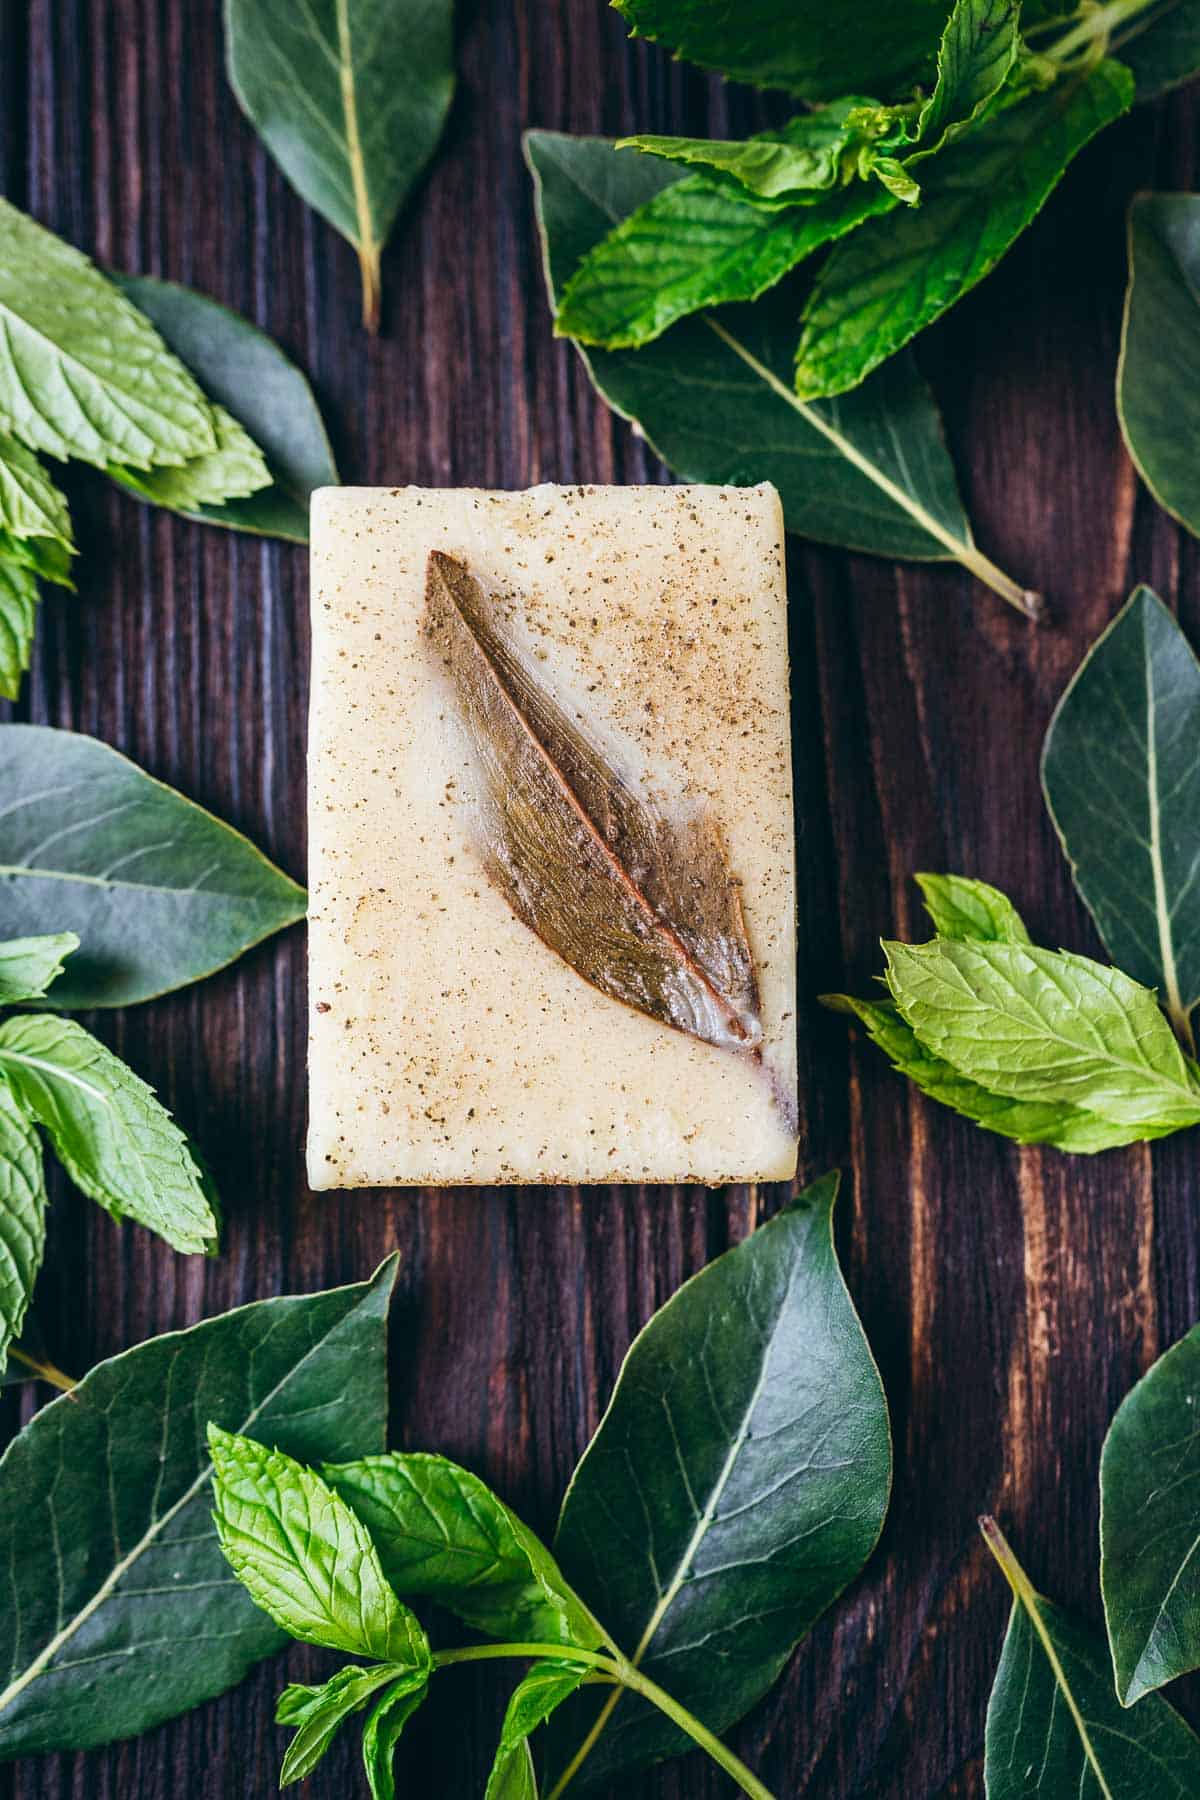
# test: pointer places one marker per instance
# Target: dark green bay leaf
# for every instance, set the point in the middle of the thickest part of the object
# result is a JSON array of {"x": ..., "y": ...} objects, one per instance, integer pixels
[
  {"x": 713, "y": 396},
  {"x": 1063, "y": 1126},
  {"x": 22, "y": 1218},
  {"x": 1162, "y": 47},
  {"x": 1150, "y": 1525},
  {"x": 29, "y": 966},
  {"x": 1121, "y": 774},
  {"x": 1046, "y": 1025},
  {"x": 350, "y": 97},
  {"x": 158, "y": 891},
  {"x": 119, "y": 1610},
  {"x": 801, "y": 45},
  {"x": 890, "y": 279},
  {"x": 1158, "y": 375},
  {"x": 737, "y": 1482},
  {"x": 18, "y": 611},
  {"x": 441, "y": 1531},
  {"x": 246, "y": 373},
  {"x": 82, "y": 372},
  {"x": 1054, "y": 1725}
]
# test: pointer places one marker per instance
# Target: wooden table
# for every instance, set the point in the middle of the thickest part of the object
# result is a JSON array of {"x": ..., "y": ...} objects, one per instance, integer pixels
[{"x": 1011, "y": 1297}]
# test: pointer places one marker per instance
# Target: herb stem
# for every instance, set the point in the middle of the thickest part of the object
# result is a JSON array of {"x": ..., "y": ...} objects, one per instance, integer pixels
[
  {"x": 469, "y": 1653},
  {"x": 1098, "y": 25},
  {"x": 700, "y": 1734},
  {"x": 963, "y": 550},
  {"x": 45, "y": 1371}
]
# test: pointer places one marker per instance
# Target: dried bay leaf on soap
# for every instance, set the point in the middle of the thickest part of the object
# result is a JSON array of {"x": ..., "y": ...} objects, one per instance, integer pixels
[{"x": 644, "y": 908}]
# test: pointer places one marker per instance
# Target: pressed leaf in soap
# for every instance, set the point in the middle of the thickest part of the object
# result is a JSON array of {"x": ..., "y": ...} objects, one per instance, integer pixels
[{"x": 643, "y": 907}]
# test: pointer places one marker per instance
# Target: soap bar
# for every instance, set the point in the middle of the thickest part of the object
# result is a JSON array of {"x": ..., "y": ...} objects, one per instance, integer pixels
[{"x": 448, "y": 1043}]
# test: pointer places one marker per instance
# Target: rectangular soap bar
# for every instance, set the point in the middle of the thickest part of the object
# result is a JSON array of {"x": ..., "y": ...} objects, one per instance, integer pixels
[{"x": 448, "y": 1044}]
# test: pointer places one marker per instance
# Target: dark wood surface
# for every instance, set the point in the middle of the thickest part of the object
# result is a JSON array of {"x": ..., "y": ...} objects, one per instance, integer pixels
[{"x": 1011, "y": 1297}]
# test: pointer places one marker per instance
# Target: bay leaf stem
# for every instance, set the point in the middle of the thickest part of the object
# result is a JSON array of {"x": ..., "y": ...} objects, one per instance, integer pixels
[{"x": 45, "y": 1371}]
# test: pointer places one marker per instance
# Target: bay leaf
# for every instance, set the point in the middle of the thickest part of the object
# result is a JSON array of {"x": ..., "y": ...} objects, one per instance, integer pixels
[
  {"x": 158, "y": 891},
  {"x": 714, "y": 398},
  {"x": 1121, "y": 776},
  {"x": 248, "y": 375},
  {"x": 1150, "y": 1525},
  {"x": 1161, "y": 46},
  {"x": 22, "y": 1218},
  {"x": 119, "y": 1610},
  {"x": 1158, "y": 375},
  {"x": 1054, "y": 1724},
  {"x": 643, "y": 907},
  {"x": 350, "y": 97},
  {"x": 800, "y": 45},
  {"x": 746, "y": 1446}
]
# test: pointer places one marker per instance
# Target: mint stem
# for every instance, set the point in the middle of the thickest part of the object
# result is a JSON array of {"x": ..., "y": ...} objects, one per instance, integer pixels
[{"x": 1098, "y": 25}]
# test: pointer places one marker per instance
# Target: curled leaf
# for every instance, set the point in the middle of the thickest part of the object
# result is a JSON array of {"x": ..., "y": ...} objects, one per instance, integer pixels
[{"x": 643, "y": 907}]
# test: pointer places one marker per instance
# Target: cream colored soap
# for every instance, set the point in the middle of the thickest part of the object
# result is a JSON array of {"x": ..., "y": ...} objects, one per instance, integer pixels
[{"x": 448, "y": 1044}]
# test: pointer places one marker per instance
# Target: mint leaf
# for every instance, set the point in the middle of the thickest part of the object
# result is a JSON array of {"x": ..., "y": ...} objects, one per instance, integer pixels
[
  {"x": 963, "y": 908},
  {"x": 441, "y": 1531},
  {"x": 30, "y": 504},
  {"x": 46, "y": 557},
  {"x": 318, "y": 1713},
  {"x": 1054, "y": 1724},
  {"x": 114, "y": 1138},
  {"x": 28, "y": 966},
  {"x": 976, "y": 56},
  {"x": 381, "y": 1733},
  {"x": 18, "y": 610},
  {"x": 542, "y": 1691},
  {"x": 1150, "y": 1525},
  {"x": 304, "y": 1557},
  {"x": 158, "y": 892},
  {"x": 797, "y": 44},
  {"x": 1121, "y": 773},
  {"x": 22, "y": 1218},
  {"x": 1057, "y": 1123},
  {"x": 747, "y": 1446},
  {"x": 350, "y": 100},
  {"x": 1158, "y": 384},
  {"x": 698, "y": 243},
  {"x": 1045, "y": 1025},
  {"x": 246, "y": 373},
  {"x": 120, "y": 1610},
  {"x": 82, "y": 373},
  {"x": 234, "y": 470},
  {"x": 805, "y": 158},
  {"x": 869, "y": 472},
  {"x": 887, "y": 282}
]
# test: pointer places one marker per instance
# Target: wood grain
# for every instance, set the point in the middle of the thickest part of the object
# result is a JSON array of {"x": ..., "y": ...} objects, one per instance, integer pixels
[{"x": 1011, "y": 1296}]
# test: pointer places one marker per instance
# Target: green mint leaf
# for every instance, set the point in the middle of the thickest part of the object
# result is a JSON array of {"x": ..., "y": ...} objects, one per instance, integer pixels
[
  {"x": 31, "y": 506},
  {"x": 869, "y": 472},
  {"x": 1121, "y": 774},
  {"x": 441, "y": 1531},
  {"x": 1150, "y": 1525},
  {"x": 1056, "y": 1123},
  {"x": 976, "y": 56},
  {"x": 963, "y": 908},
  {"x": 1162, "y": 48},
  {"x": 247, "y": 375},
  {"x": 797, "y": 44},
  {"x": 44, "y": 557},
  {"x": 747, "y": 1441},
  {"x": 698, "y": 243},
  {"x": 1054, "y": 1724},
  {"x": 350, "y": 100},
  {"x": 29, "y": 966},
  {"x": 115, "y": 1139},
  {"x": 82, "y": 373},
  {"x": 1045, "y": 1025},
  {"x": 158, "y": 892},
  {"x": 803, "y": 159},
  {"x": 888, "y": 281},
  {"x": 120, "y": 1609},
  {"x": 1158, "y": 384},
  {"x": 18, "y": 611},
  {"x": 542, "y": 1692},
  {"x": 22, "y": 1218},
  {"x": 318, "y": 1713},
  {"x": 381, "y": 1733},
  {"x": 234, "y": 470},
  {"x": 304, "y": 1557}
]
